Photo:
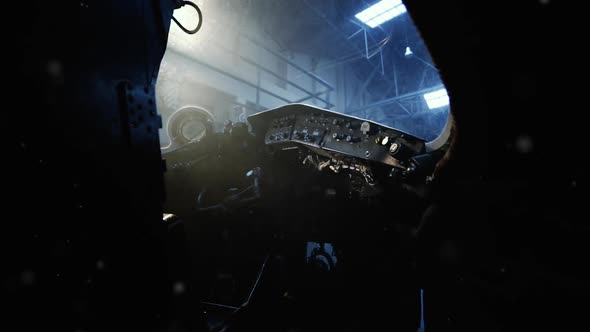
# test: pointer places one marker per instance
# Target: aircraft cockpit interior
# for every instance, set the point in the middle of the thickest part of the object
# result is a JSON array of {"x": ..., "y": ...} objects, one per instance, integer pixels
[
  {"x": 293, "y": 166},
  {"x": 301, "y": 165}
]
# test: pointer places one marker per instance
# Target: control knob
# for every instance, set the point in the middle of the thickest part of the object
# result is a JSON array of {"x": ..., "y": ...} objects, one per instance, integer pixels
[{"x": 337, "y": 136}]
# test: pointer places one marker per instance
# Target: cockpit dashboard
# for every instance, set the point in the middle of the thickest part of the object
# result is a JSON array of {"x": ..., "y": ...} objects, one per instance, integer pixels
[{"x": 334, "y": 135}]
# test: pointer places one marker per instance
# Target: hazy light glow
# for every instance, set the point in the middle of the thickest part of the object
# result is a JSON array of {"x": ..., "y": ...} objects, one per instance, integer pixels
[
  {"x": 381, "y": 12},
  {"x": 438, "y": 98}
]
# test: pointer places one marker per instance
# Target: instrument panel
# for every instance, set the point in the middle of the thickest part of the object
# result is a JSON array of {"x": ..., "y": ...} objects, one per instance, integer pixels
[{"x": 334, "y": 134}]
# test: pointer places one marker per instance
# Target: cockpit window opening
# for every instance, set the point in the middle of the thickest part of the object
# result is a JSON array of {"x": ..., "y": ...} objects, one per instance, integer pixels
[{"x": 365, "y": 59}]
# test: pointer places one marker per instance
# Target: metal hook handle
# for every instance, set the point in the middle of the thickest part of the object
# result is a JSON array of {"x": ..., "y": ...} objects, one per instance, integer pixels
[{"x": 190, "y": 32}]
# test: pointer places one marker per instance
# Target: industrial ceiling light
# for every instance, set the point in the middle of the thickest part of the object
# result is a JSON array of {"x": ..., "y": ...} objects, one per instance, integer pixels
[
  {"x": 408, "y": 52},
  {"x": 381, "y": 12},
  {"x": 438, "y": 98}
]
